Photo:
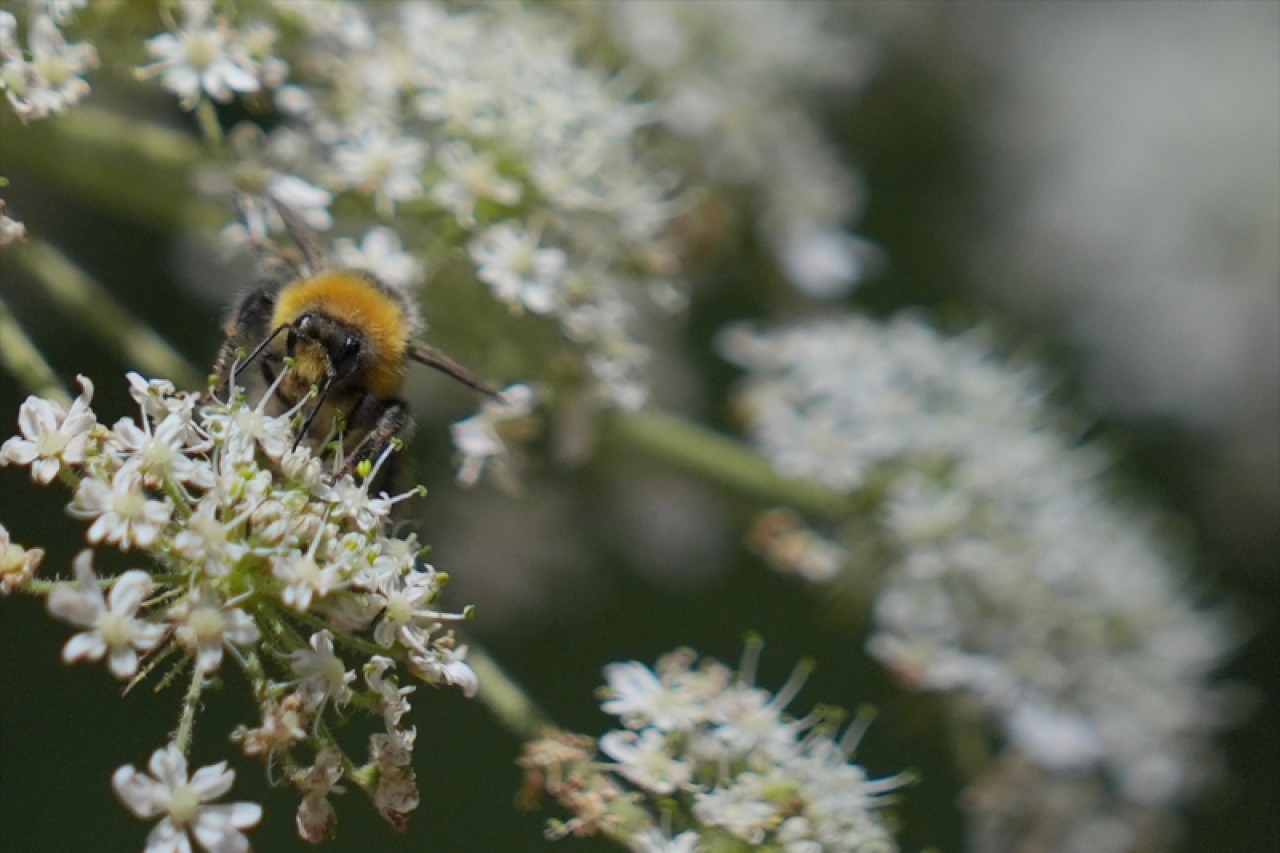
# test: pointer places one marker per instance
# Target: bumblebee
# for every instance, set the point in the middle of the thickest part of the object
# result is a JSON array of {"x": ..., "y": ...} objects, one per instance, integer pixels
[{"x": 342, "y": 332}]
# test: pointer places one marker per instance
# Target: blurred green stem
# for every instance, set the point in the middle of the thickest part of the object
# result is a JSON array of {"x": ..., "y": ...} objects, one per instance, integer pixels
[
  {"x": 24, "y": 361},
  {"x": 504, "y": 697},
  {"x": 92, "y": 305},
  {"x": 134, "y": 167},
  {"x": 696, "y": 448}
]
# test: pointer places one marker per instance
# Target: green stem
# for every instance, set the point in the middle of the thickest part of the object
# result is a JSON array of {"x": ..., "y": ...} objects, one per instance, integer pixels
[
  {"x": 24, "y": 361},
  {"x": 189, "y": 704},
  {"x": 505, "y": 698},
  {"x": 121, "y": 164},
  {"x": 207, "y": 119},
  {"x": 696, "y": 448},
  {"x": 119, "y": 329}
]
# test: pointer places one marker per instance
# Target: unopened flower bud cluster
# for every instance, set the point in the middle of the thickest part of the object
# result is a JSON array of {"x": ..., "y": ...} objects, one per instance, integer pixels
[
  {"x": 260, "y": 556},
  {"x": 704, "y": 760}
]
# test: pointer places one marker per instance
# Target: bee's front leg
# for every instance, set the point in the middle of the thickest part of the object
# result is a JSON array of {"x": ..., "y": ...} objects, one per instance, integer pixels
[
  {"x": 246, "y": 325},
  {"x": 384, "y": 420}
]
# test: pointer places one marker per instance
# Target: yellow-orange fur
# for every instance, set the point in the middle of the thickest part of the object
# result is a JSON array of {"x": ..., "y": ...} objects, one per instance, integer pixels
[{"x": 359, "y": 303}]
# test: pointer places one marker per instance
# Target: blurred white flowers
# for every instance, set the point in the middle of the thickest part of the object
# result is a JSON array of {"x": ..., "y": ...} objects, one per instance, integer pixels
[
  {"x": 48, "y": 76},
  {"x": 1013, "y": 574}
]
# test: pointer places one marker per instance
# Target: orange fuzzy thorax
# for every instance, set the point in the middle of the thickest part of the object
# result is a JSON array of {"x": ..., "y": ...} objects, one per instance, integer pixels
[{"x": 357, "y": 302}]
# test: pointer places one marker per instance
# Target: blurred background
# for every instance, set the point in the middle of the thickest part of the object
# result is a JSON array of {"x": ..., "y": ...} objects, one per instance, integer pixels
[{"x": 1100, "y": 180}]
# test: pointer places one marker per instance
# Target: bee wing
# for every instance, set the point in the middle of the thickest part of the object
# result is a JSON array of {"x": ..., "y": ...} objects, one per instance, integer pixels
[
  {"x": 313, "y": 257},
  {"x": 432, "y": 357}
]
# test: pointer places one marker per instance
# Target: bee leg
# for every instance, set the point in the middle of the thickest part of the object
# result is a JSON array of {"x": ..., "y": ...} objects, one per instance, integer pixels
[
  {"x": 385, "y": 420},
  {"x": 247, "y": 322}
]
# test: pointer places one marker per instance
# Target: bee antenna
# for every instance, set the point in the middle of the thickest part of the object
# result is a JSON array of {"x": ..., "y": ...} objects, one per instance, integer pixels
[
  {"x": 315, "y": 410},
  {"x": 236, "y": 368}
]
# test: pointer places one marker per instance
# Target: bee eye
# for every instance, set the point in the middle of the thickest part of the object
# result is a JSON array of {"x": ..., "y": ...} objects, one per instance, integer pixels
[
  {"x": 347, "y": 357},
  {"x": 304, "y": 324}
]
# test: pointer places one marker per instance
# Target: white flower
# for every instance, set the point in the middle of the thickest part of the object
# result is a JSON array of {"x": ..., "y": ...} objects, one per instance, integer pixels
[
  {"x": 379, "y": 161},
  {"x": 162, "y": 453},
  {"x": 640, "y": 699},
  {"x": 51, "y": 436},
  {"x": 440, "y": 664},
  {"x": 741, "y": 808},
  {"x": 508, "y": 259},
  {"x": 470, "y": 177},
  {"x": 380, "y": 253},
  {"x": 394, "y": 698},
  {"x": 202, "y": 57},
  {"x": 205, "y": 623},
  {"x": 479, "y": 440},
  {"x": 351, "y": 500},
  {"x": 184, "y": 802},
  {"x": 396, "y": 795},
  {"x": 652, "y": 840},
  {"x": 112, "y": 627},
  {"x": 52, "y": 80},
  {"x": 646, "y": 760},
  {"x": 123, "y": 514},
  {"x": 406, "y": 600},
  {"x": 322, "y": 676},
  {"x": 304, "y": 577},
  {"x": 822, "y": 263},
  {"x": 393, "y": 748},
  {"x": 207, "y": 541},
  {"x": 316, "y": 817}
]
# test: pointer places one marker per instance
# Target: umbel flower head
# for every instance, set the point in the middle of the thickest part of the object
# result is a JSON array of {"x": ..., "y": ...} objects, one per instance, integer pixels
[
  {"x": 262, "y": 557},
  {"x": 704, "y": 760},
  {"x": 1011, "y": 573}
]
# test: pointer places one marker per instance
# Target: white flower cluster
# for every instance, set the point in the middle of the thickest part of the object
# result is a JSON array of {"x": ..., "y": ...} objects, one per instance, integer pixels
[
  {"x": 706, "y": 761},
  {"x": 481, "y": 127},
  {"x": 204, "y": 56},
  {"x": 730, "y": 79},
  {"x": 266, "y": 558},
  {"x": 47, "y": 75},
  {"x": 1014, "y": 575}
]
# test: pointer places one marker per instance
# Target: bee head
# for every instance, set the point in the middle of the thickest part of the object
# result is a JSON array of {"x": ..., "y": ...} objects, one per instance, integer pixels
[{"x": 325, "y": 349}]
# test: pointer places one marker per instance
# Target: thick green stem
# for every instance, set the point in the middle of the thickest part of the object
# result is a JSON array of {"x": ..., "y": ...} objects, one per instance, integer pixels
[
  {"x": 696, "y": 448},
  {"x": 505, "y": 698},
  {"x": 121, "y": 164},
  {"x": 93, "y": 305}
]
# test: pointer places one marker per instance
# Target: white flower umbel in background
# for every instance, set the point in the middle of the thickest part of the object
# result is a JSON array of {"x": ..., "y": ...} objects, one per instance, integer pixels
[
  {"x": 204, "y": 56},
  {"x": 47, "y": 75},
  {"x": 489, "y": 141},
  {"x": 262, "y": 557},
  {"x": 730, "y": 79},
  {"x": 1012, "y": 574},
  {"x": 705, "y": 760}
]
